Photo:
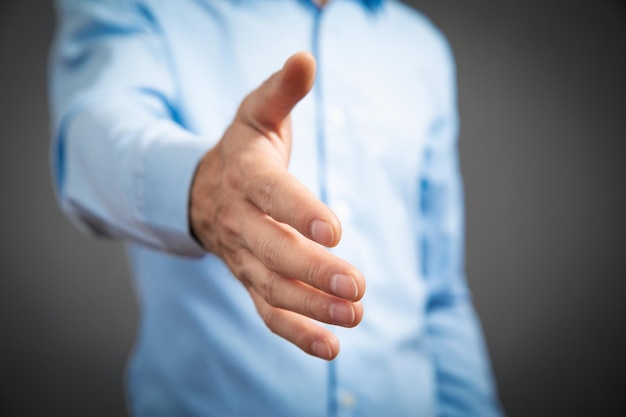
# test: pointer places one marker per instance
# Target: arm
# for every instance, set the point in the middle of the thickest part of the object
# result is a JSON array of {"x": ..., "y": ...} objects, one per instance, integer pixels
[
  {"x": 126, "y": 168},
  {"x": 122, "y": 164},
  {"x": 464, "y": 381}
]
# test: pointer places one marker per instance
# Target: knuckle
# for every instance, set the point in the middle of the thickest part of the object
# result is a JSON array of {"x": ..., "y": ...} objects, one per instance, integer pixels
[
  {"x": 276, "y": 249},
  {"x": 270, "y": 288},
  {"x": 269, "y": 317},
  {"x": 267, "y": 251},
  {"x": 300, "y": 216},
  {"x": 267, "y": 194},
  {"x": 312, "y": 307},
  {"x": 312, "y": 271},
  {"x": 240, "y": 271},
  {"x": 227, "y": 220}
]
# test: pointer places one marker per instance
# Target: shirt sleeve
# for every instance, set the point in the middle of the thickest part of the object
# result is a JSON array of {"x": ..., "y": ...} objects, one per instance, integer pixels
[
  {"x": 464, "y": 378},
  {"x": 122, "y": 163}
]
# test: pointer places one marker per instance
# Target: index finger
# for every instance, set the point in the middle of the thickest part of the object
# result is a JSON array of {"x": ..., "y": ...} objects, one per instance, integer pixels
[{"x": 281, "y": 196}]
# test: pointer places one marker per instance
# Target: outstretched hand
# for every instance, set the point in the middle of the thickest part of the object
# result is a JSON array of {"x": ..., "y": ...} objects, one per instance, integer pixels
[{"x": 269, "y": 228}]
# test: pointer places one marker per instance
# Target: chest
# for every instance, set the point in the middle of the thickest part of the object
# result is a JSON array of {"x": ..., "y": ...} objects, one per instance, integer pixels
[{"x": 371, "y": 106}]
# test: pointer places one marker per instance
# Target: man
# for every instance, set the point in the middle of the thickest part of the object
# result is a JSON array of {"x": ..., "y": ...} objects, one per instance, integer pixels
[{"x": 230, "y": 189}]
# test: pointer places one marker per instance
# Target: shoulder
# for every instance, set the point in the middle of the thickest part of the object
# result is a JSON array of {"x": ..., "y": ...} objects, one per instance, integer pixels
[
  {"x": 418, "y": 32},
  {"x": 424, "y": 47}
]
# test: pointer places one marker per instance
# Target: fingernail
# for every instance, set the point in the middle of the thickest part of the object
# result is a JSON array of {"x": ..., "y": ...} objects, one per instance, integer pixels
[
  {"x": 321, "y": 349},
  {"x": 344, "y": 286},
  {"x": 322, "y": 232},
  {"x": 342, "y": 313}
]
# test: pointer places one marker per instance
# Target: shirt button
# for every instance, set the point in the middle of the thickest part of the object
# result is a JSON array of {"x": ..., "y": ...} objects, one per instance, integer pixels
[
  {"x": 348, "y": 401},
  {"x": 336, "y": 117},
  {"x": 343, "y": 211}
]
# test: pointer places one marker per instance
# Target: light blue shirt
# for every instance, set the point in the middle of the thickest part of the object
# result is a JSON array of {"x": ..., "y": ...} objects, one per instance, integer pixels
[{"x": 140, "y": 90}]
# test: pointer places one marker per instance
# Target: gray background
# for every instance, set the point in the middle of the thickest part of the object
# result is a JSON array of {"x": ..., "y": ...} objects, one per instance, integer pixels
[{"x": 542, "y": 97}]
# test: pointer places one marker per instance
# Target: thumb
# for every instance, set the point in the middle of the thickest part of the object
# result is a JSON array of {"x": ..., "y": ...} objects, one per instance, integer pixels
[{"x": 269, "y": 105}]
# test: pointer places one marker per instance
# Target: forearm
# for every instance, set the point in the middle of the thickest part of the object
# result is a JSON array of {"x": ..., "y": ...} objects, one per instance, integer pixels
[
  {"x": 122, "y": 165},
  {"x": 124, "y": 170}
]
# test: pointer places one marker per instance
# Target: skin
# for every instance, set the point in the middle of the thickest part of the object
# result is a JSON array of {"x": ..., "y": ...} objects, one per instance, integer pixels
[{"x": 269, "y": 229}]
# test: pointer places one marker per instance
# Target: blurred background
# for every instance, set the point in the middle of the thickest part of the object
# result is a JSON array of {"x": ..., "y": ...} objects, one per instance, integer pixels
[{"x": 542, "y": 89}]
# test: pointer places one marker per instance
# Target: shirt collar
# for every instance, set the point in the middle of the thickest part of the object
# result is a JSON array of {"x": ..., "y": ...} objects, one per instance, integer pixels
[
  {"x": 374, "y": 3},
  {"x": 371, "y": 4}
]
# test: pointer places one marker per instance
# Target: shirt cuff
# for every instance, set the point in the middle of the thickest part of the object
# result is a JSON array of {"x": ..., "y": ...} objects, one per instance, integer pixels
[{"x": 164, "y": 179}]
